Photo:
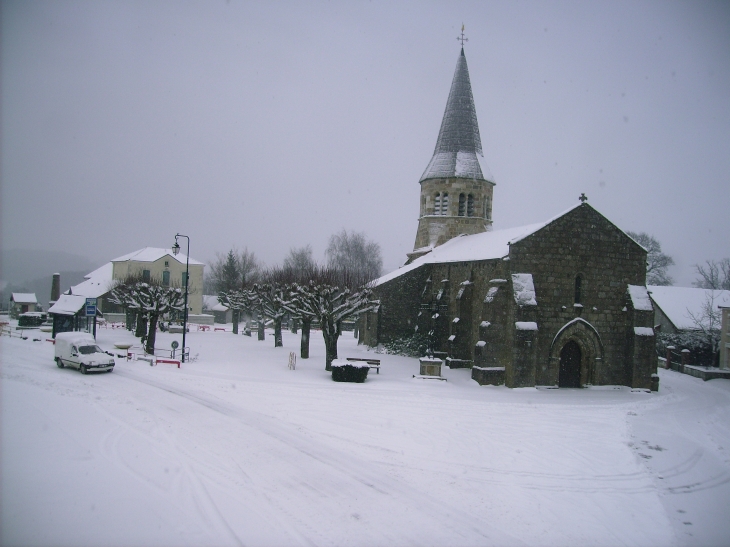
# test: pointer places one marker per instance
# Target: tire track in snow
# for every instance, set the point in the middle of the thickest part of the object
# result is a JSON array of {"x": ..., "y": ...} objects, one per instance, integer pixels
[{"x": 455, "y": 519}]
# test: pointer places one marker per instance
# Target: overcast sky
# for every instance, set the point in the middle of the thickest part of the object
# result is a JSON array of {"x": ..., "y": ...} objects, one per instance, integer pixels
[{"x": 271, "y": 125}]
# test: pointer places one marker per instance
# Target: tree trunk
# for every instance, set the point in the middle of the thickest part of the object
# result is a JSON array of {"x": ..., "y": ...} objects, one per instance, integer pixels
[
  {"x": 294, "y": 325},
  {"x": 130, "y": 319},
  {"x": 141, "y": 325},
  {"x": 277, "y": 333},
  {"x": 331, "y": 333},
  {"x": 306, "y": 326},
  {"x": 262, "y": 326},
  {"x": 151, "y": 334},
  {"x": 234, "y": 316}
]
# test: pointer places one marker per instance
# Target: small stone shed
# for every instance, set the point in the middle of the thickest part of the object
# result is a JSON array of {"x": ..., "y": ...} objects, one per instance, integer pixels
[
  {"x": 560, "y": 303},
  {"x": 21, "y": 302}
]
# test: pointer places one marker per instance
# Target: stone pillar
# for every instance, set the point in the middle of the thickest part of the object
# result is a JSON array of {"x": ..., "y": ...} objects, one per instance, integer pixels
[{"x": 55, "y": 289}]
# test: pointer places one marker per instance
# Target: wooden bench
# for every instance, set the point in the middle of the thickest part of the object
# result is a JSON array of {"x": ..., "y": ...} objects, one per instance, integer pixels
[{"x": 374, "y": 363}]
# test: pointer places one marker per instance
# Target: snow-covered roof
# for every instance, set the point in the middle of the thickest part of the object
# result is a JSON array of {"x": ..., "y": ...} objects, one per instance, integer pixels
[
  {"x": 96, "y": 283},
  {"x": 152, "y": 254},
  {"x": 24, "y": 298},
  {"x": 484, "y": 246},
  {"x": 640, "y": 298},
  {"x": 68, "y": 304},
  {"x": 678, "y": 302},
  {"x": 458, "y": 142}
]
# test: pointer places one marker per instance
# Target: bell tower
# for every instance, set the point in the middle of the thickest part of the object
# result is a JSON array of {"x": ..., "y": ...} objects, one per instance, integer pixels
[{"x": 456, "y": 192}]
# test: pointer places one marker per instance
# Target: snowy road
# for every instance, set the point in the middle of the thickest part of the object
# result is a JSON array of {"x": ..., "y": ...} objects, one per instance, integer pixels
[{"x": 235, "y": 449}]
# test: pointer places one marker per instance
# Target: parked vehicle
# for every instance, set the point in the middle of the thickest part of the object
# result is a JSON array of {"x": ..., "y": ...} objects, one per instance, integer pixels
[{"x": 79, "y": 350}]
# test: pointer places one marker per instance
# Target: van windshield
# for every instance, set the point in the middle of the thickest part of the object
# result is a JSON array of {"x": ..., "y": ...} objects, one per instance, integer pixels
[{"x": 87, "y": 350}]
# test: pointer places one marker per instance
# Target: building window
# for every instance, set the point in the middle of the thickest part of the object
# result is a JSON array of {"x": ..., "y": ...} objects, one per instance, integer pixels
[
  {"x": 578, "y": 288},
  {"x": 146, "y": 276},
  {"x": 444, "y": 203},
  {"x": 166, "y": 278},
  {"x": 167, "y": 263},
  {"x": 462, "y": 205},
  {"x": 437, "y": 204},
  {"x": 487, "y": 208},
  {"x": 470, "y": 205}
]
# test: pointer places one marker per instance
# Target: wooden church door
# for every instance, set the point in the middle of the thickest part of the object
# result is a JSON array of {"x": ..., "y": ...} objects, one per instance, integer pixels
[{"x": 570, "y": 357}]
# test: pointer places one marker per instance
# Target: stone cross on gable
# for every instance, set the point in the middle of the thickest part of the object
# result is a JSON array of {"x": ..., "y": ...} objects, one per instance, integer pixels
[{"x": 583, "y": 198}]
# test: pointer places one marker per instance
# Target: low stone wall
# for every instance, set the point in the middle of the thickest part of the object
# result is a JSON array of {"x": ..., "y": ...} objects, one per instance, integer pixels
[
  {"x": 488, "y": 376},
  {"x": 200, "y": 319}
]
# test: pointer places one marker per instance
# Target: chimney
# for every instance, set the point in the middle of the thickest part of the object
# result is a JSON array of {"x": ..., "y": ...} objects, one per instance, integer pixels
[{"x": 55, "y": 289}]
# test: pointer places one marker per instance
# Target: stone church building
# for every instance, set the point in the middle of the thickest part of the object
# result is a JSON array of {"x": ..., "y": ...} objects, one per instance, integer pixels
[{"x": 558, "y": 303}]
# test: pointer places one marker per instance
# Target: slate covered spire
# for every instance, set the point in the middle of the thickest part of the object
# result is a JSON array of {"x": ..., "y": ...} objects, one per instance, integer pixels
[{"x": 458, "y": 141}]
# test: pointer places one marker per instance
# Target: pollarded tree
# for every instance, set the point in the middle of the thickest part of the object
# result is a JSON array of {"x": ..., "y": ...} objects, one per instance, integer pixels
[
  {"x": 123, "y": 295},
  {"x": 158, "y": 301},
  {"x": 235, "y": 300},
  {"x": 234, "y": 271},
  {"x": 330, "y": 305},
  {"x": 150, "y": 301},
  {"x": 656, "y": 261},
  {"x": 271, "y": 297}
]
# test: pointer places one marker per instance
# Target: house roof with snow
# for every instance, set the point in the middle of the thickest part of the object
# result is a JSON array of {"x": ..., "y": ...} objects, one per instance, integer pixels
[
  {"x": 153, "y": 254},
  {"x": 68, "y": 304},
  {"x": 458, "y": 142},
  {"x": 679, "y": 303},
  {"x": 24, "y": 298},
  {"x": 96, "y": 283}
]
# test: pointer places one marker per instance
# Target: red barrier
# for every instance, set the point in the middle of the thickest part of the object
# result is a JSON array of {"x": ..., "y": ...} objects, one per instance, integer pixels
[{"x": 168, "y": 361}]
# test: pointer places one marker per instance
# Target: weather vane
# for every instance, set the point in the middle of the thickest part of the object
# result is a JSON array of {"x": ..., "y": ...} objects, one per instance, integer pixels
[{"x": 462, "y": 38}]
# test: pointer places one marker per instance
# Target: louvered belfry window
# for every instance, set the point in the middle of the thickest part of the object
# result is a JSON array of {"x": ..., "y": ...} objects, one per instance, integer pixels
[
  {"x": 462, "y": 204},
  {"x": 470, "y": 205}
]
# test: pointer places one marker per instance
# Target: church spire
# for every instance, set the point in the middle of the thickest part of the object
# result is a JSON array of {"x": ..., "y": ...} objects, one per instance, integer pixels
[{"x": 458, "y": 140}]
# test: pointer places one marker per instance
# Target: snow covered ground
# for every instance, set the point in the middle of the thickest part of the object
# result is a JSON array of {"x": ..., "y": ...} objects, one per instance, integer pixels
[{"x": 236, "y": 449}]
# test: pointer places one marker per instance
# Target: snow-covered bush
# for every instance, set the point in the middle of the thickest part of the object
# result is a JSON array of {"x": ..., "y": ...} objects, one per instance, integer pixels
[
  {"x": 409, "y": 346},
  {"x": 699, "y": 345},
  {"x": 347, "y": 371}
]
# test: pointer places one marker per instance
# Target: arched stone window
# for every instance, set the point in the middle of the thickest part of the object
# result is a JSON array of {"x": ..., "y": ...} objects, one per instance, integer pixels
[
  {"x": 437, "y": 204},
  {"x": 444, "y": 203},
  {"x": 470, "y": 205},
  {"x": 578, "y": 288},
  {"x": 487, "y": 208},
  {"x": 462, "y": 205}
]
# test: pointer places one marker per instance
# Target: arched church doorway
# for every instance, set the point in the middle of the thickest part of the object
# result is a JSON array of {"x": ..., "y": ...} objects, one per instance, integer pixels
[{"x": 570, "y": 358}]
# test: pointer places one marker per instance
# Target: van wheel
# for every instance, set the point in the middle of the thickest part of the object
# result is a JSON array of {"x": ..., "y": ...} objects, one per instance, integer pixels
[
  {"x": 59, "y": 362},
  {"x": 83, "y": 370}
]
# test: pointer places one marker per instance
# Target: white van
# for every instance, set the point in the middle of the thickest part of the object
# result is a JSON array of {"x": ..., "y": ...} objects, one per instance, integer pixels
[{"x": 79, "y": 350}]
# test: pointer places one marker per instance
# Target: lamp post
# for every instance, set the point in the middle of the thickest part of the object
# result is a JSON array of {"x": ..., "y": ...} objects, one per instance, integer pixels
[{"x": 175, "y": 251}]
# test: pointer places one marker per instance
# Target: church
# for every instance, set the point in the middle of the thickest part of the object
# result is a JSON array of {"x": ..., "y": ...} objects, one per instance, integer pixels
[{"x": 558, "y": 303}]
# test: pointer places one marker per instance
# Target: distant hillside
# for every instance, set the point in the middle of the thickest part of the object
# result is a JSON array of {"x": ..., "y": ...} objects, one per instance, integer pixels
[{"x": 24, "y": 266}]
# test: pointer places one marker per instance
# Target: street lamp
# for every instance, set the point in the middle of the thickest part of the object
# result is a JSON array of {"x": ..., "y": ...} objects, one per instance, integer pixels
[{"x": 175, "y": 250}]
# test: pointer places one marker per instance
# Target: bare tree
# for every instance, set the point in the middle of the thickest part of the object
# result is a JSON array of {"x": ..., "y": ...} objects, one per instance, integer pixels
[
  {"x": 299, "y": 262},
  {"x": 708, "y": 321},
  {"x": 357, "y": 260},
  {"x": 713, "y": 275},
  {"x": 656, "y": 261}
]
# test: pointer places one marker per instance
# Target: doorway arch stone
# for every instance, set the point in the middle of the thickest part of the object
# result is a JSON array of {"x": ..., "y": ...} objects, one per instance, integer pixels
[{"x": 586, "y": 337}]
